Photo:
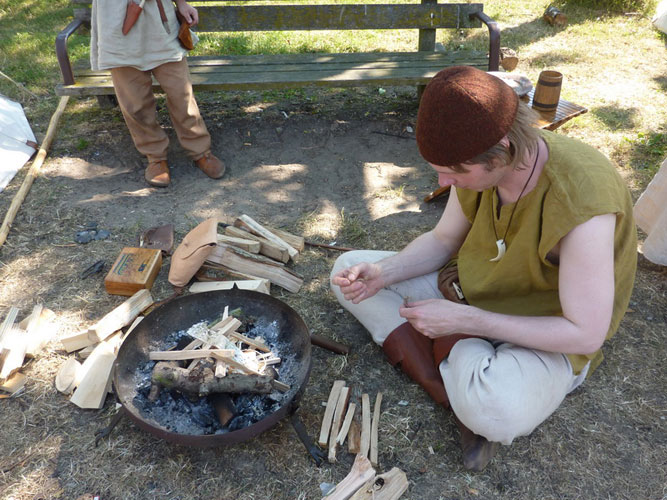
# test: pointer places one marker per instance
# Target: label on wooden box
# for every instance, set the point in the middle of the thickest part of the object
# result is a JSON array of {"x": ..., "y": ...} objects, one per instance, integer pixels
[{"x": 134, "y": 269}]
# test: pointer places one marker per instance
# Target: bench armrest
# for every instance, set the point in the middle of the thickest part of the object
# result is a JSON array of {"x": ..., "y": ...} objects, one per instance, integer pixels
[
  {"x": 61, "y": 50},
  {"x": 494, "y": 39}
]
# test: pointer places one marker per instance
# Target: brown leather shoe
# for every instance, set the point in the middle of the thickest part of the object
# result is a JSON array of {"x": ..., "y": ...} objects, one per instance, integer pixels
[
  {"x": 413, "y": 352},
  {"x": 157, "y": 173},
  {"x": 211, "y": 166},
  {"x": 477, "y": 450}
]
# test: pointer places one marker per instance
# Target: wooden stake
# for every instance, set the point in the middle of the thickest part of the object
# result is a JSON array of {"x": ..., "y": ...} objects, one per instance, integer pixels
[
  {"x": 374, "y": 430},
  {"x": 341, "y": 406},
  {"x": 329, "y": 412},
  {"x": 40, "y": 329},
  {"x": 365, "y": 424},
  {"x": 33, "y": 172}
]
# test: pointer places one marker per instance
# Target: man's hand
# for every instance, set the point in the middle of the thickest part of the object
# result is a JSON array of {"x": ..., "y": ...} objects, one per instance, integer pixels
[
  {"x": 188, "y": 12},
  {"x": 435, "y": 317},
  {"x": 359, "y": 282}
]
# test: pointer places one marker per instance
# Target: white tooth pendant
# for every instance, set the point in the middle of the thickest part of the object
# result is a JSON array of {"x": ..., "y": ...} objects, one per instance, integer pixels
[{"x": 501, "y": 250}]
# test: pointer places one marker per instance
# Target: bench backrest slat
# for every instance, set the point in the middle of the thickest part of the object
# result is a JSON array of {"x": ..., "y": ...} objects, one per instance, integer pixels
[{"x": 337, "y": 17}]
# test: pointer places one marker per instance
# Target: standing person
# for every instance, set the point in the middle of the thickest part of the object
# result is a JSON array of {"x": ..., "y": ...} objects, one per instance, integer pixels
[
  {"x": 501, "y": 310},
  {"x": 151, "y": 48}
]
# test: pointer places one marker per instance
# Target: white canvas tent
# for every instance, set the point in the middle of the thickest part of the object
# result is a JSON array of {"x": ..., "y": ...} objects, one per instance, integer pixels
[{"x": 17, "y": 142}]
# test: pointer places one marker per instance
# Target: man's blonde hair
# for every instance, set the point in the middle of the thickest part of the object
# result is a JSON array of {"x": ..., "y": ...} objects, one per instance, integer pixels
[{"x": 523, "y": 141}]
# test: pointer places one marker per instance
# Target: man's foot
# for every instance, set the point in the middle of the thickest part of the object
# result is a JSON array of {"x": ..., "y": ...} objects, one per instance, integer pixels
[
  {"x": 211, "y": 166},
  {"x": 477, "y": 450},
  {"x": 157, "y": 173}
]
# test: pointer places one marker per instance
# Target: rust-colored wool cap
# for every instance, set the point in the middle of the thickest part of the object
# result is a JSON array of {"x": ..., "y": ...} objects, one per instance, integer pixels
[{"x": 463, "y": 112}]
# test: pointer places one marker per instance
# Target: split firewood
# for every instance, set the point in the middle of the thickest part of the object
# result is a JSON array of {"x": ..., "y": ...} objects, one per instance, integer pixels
[
  {"x": 257, "y": 343},
  {"x": 388, "y": 486},
  {"x": 260, "y": 285},
  {"x": 8, "y": 323},
  {"x": 202, "y": 380},
  {"x": 187, "y": 354},
  {"x": 341, "y": 407},
  {"x": 345, "y": 428},
  {"x": 121, "y": 316},
  {"x": 361, "y": 472},
  {"x": 508, "y": 58},
  {"x": 374, "y": 430},
  {"x": 96, "y": 375},
  {"x": 12, "y": 385},
  {"x": 248, "y": 223},
  {"x": 248, "y": 245},
  {"x": 68, "y": 376},
  {"x": 325, "y": 429},
  {"x": 262, "y": 267},
  {"x": 77, "y": 341},
  {"x": 39, "y": 328},
  {"x": 13, "y": 352},
  {"x": 354, "y": 437},
  {"x": 266, "y": 247},
  {"x": 365, "y": 424},
  {"x": 223, "y": 406}
]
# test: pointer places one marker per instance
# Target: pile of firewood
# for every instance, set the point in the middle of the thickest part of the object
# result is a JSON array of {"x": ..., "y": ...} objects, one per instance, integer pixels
[
  {"x": 221, "y": 361},
  {"x": 252, "y": 251},
  {"x": 340, "y": 423},
  {"x": 21, "y": 341},
  {"x": 89, "y": 381}
]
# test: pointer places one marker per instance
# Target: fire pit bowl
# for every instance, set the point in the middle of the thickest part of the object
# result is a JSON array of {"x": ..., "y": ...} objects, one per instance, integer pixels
[{"x": 183, "y": 312}]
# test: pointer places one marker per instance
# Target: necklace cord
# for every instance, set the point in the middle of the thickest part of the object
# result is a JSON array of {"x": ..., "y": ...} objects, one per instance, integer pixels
[{"x": 509, "y": 223}]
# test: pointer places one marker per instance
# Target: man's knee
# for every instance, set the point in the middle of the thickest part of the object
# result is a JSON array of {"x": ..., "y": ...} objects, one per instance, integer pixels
[{"x": 501, "y": 394}]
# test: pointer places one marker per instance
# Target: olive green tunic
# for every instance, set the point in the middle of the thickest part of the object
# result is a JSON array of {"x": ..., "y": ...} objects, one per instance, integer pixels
[{"x": 577, "y": 183}]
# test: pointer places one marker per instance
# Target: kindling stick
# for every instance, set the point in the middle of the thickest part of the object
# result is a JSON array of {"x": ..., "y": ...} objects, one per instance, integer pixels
[{"x": 33, "y": 172}]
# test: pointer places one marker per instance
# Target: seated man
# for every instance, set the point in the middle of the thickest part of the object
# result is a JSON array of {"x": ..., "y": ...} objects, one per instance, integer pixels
[
  {"x": 151, "y": 48},
  {"x": 545, "y": 243}
]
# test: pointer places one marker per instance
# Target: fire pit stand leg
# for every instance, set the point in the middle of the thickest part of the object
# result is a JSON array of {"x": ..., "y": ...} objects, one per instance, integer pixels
[
  {"x": 315, "y": 452},
  {"x": 105, "y": 431}
]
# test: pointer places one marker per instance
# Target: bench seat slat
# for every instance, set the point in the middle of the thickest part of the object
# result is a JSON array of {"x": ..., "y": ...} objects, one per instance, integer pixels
[{"x": 334, "y": 70}]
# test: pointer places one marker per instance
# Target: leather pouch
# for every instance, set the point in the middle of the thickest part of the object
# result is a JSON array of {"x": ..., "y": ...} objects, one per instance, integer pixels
[
  {"x": 185, "y": 35},
  {"x": 192, "y": 252},
  {"x": 448, "y": 284}
]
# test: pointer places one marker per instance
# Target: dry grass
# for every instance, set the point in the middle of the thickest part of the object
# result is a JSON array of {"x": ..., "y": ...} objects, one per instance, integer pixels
[{"x": 327, "y": 175}]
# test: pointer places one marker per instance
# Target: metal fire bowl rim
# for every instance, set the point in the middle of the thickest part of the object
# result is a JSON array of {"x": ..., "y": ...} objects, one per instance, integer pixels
[{"x": 184, "y": 302}]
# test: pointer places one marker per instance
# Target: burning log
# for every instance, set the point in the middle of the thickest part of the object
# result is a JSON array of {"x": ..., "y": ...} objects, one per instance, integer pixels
[{"x": 202, "y": 381}]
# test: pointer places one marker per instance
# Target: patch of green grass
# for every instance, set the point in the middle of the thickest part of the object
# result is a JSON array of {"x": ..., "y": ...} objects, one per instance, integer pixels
[
  {"x": 352, "y": 229},
  {"x": 82, "y": 144}
]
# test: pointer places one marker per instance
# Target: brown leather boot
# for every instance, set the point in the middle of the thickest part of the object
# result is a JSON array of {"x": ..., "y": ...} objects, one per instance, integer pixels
[
  {"x": 413, "y": 351},
  {"x": 157, "y": 173},
  {"x": 211, "y": 166},
  {"x": 477, "y": 450}
]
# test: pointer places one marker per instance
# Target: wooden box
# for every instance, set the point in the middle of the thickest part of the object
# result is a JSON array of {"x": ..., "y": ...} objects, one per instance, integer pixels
[{"x": 134, "y": 269}]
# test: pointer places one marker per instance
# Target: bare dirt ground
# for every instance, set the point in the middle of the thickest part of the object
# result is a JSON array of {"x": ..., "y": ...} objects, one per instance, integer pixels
[{"x": 340, "y": 167}]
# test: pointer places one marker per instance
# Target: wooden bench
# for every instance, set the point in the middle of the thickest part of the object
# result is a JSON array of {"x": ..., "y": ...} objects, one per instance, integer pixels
[{"x": 223, "y": 72}]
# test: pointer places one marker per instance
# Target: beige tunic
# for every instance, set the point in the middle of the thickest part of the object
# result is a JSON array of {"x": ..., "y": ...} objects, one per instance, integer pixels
[{"x": 146, "y": 46}]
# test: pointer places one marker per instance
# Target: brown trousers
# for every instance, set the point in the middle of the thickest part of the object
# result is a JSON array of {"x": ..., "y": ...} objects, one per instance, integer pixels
[{"x": 137, "y": 103}]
